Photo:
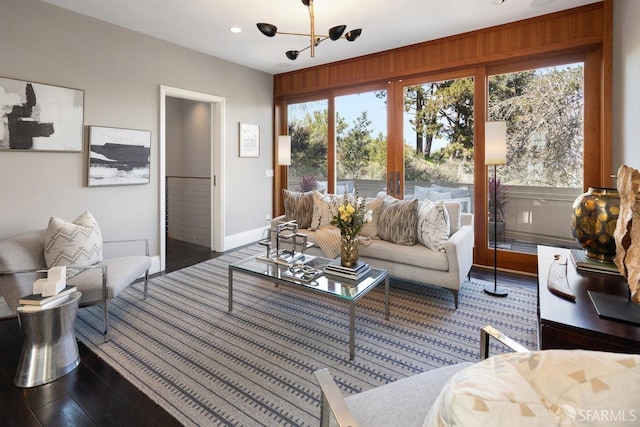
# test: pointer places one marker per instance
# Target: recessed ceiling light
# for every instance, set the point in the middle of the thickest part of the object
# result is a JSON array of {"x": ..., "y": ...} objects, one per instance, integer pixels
[
  {"x": 497, "y": 1},
  {"x": 235, "y": 30}
]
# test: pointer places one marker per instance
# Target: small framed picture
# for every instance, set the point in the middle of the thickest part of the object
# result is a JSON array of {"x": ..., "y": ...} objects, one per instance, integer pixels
[
  {"x": 118, "y": 156},
  {"x": 249, "y": 140}
]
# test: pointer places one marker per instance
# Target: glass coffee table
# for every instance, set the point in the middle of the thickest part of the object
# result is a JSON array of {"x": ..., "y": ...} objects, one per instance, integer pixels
[{"x": 336, "y": 287}]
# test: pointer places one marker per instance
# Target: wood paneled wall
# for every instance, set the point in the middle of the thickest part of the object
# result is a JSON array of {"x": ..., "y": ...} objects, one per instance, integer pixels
[{"x": 568, "y": 31}]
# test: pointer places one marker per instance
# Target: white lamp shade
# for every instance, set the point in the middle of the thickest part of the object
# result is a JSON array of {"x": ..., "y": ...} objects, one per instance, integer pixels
[
  {"x": 284, "y": 150},
  {"x": 495, "y": 143}
]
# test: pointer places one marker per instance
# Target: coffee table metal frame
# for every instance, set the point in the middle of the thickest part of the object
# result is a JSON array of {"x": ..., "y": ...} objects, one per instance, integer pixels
[{"x": 329, "y": 285}]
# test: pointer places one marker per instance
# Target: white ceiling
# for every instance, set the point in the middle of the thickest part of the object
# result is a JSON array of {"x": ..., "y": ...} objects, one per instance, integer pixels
[{"x": 203, "y": 25}]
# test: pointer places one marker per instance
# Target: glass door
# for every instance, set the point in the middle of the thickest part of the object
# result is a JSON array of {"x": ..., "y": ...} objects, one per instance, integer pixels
[
  {"x": 438, "y": 141},
  {"x": 308, "y": 128},
  {"x": 544, "y": 111}
]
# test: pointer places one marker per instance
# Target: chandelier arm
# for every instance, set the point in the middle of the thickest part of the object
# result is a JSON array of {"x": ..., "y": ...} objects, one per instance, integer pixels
[{"x": 304, "y": 34}]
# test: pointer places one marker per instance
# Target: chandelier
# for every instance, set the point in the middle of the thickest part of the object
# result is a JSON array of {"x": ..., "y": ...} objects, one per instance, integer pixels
[{"x": 335, "y": 33}]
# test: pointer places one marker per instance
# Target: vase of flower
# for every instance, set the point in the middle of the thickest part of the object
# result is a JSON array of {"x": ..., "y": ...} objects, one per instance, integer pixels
[
  {"x": 349, "y": 251},
  {"x": 351, "y": 216}
]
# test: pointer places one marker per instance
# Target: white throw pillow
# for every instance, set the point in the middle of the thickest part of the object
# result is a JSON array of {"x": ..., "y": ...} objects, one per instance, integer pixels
[
  {"x": 370, "y": 229},
  {"x": 77, "y": 243},
  {"x": 433, "y": 225},
  {"x": 325, "y": 207}
]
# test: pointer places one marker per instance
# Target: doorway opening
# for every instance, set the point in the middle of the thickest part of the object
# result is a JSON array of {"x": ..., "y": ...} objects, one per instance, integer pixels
[{"x": 215, "y": 166}]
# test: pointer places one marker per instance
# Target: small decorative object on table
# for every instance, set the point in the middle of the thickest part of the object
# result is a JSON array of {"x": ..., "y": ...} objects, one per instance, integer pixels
[
  {"x": 350, "y": 218},
  {"x": 593, "y": 222}
]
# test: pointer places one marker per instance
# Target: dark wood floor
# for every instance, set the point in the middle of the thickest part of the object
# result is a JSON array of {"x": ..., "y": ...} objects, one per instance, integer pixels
[{"x": 94, "y": 394}]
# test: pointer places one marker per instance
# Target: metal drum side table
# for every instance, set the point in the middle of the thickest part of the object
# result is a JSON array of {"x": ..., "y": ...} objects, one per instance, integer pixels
[{"x": 50, "y": 350}]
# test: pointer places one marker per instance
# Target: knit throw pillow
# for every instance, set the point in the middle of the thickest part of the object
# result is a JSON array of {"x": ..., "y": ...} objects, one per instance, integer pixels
[
  {"x": 433, "y": 225},
  {"x": 398, "y": 221},
  {"x": 77, "y": 243},
  {"x": 298, "y": 206}
]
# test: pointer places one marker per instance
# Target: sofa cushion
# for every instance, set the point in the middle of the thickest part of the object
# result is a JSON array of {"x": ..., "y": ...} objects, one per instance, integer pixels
[
  {"x": 77, "y": 243},
  {"x": 398, "y": 221},
  {"x": 540, "y": 388},
  {"x": 121, "y": 272},
  {"x": 433, "y": 225},
  {"x": 455, "y": 217},
  {"x": 325, "y": 207},
  {"x": 370, "y": 229},
  {"x": 298, "y": 206},
  {"x": 416, "y": 255}
]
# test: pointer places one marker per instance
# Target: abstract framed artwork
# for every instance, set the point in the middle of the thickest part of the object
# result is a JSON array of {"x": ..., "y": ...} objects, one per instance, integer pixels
[
  {"x": 40, "y": 117},
  {"x": 118, "y": 156},
  {"x": 249, "y": 140}
]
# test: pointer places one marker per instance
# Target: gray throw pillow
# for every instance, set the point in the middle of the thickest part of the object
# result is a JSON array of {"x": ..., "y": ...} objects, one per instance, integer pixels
[
  {"x": 298, "y": 206},
  {"x": 398, "y": 221}
]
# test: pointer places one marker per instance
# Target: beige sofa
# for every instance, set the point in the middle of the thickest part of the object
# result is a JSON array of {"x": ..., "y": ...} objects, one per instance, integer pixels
[{"x": 417, "y": 263}]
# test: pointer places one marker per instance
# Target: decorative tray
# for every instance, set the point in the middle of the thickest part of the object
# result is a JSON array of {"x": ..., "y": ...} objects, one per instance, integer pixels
[{"x": 301, "y": 273}]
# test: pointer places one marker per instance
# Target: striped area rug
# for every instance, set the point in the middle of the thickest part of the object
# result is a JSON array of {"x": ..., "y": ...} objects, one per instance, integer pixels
[{"x": 254, "y": 366}]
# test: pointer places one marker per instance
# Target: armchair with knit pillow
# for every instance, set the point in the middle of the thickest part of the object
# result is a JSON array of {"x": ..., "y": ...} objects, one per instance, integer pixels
[{"x": 79, "y": 246}]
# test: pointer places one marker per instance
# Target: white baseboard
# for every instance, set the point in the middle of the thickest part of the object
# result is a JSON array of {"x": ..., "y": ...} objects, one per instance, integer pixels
[{"x": 244, "y": 238}]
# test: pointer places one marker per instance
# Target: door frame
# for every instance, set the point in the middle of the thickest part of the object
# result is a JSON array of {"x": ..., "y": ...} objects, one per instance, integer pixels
[{"x": 217, "y": 165}]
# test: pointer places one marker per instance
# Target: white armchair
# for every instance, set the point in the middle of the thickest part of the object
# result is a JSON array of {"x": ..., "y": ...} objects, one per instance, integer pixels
[{"x": 22, "y": 261}]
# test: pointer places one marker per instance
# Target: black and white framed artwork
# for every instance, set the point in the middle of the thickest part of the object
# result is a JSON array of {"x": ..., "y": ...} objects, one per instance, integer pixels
[
  {"x": 40, "y": 117},
  {"x": 118, "y": 156}
]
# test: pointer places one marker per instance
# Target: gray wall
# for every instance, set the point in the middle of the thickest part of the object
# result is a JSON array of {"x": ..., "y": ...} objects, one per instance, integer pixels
[
  {"x": 120, "y": 72},
  {"x": 188, "y": 140}
]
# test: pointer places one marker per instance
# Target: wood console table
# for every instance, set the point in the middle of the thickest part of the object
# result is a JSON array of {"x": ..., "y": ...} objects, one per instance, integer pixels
[{"x": 564, "y": 324}]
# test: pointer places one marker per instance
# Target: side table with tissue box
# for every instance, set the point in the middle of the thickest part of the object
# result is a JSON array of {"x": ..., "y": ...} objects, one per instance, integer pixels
[{"x": 47, "y": 319}]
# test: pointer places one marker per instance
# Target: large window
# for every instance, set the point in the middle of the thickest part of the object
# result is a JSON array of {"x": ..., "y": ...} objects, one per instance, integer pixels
[{"x": 544, "y": 111}]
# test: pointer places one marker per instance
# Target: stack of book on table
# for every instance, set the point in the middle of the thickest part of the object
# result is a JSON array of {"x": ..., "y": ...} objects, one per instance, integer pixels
[
  {"x": 34, "y": 302},
  {"x": 584, "y": 263},
  {"x": 361, "y": 269}
]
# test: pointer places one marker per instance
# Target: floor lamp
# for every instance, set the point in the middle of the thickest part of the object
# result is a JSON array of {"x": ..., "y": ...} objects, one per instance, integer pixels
[{"x": 495, "y": 153}]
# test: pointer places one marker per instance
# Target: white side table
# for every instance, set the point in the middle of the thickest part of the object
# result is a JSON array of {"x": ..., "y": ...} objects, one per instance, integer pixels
[{"x": 50, "y": 350}]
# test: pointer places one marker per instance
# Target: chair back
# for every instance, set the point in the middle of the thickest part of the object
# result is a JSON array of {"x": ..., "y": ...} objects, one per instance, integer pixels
[{"x": 24, "y": 252}]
